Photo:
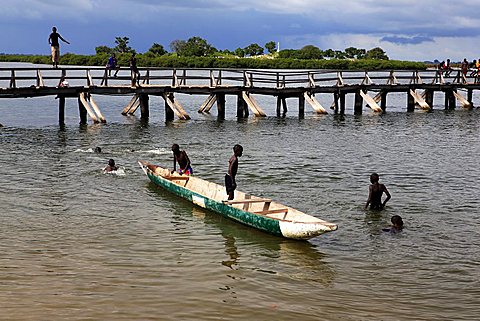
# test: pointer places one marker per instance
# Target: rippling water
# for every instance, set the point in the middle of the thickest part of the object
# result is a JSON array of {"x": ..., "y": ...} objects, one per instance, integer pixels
[{"x": 81, "y": 245}]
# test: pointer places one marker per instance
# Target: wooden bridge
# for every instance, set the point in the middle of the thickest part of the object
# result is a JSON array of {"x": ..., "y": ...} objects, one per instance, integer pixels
[{"x": 83, "y": 83}]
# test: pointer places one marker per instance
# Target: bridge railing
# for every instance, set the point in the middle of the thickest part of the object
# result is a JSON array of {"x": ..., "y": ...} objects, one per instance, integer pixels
[{"x": 178, "y": 77}]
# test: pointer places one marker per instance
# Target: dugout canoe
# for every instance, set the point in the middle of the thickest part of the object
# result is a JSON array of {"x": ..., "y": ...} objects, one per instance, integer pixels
[{"x": 261, "y": 213}]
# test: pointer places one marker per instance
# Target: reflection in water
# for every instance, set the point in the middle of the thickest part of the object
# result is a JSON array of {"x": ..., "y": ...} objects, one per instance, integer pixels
[
  {"x": 300, "y": 259},
  {"x": 231, "y": 250},
  {"x": 374, "y": 221}
]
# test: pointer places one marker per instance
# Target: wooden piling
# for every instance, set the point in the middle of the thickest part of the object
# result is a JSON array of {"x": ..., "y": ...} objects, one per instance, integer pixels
[
  {"x": 207, "y": 104},
  {"x": 144, "y": 106},
  {"x": 419, "y": 101},
  {"x": 242, "y": 108},
  {"x": 82, "y": 112},
  {"x": 175, "y": 106},
  {"x": 252, "y": 104},
  {"x": 372, "y": 103},
  {"x": 96, "y": 109},
  {"x": 450, "y": 101},
  {"x": 383, "y": 100},
  {"x": 465, "y": 103},
  {"x": 429, "y": 97},
  {"x": 410, "y": 103},
  {"x": 169, "y": 113},
  {"x": 470, "y": 96},
  {"x": 358, "y": 104},
  {"x": 281, "y": 102},
  {"x": 342, "y": 103},
  {"x": 301, "y": 107},
  {"x": 61, "y": 110},
  {"x": 132, "y": 104},
  {"x": 310, "y": 98},
  {"x": 221, "y": 106},
  {"x": 83, "y": 99}
]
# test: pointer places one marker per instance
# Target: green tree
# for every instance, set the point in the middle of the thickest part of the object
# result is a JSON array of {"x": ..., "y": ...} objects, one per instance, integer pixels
[
  {"x": 338, "y": 54},
  {"x": 376, "y": 53},
  {"x": 196, "y": 47},
  {"x": 122, "y": 45},
  {"x": 361, "y": 53},
  {"x": 271, "y": 46},
  {"x": 310, "y": 52},
  {"x": 329, "y": 53},
  {"x": 177, "y": 45},
  {"x": 253, "y": 50},
  {"x": 240, "y": 52},
  {"x": 157, "y": 49},
  {"x": 104, "y": 50},
  {"x": 288, "y": 53},
  {"x": 352, "y": 52}
]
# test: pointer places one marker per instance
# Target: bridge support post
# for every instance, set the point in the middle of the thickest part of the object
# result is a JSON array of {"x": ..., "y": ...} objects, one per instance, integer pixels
[
  {"x": 342, "y": 103},
  {"x": 281, "y": 101},
  {"x": 242, "y": 109},
  {"x": 221, "y": 106},
  {"x": 144, "y": 106},
  {"x": 470, "y": 96},
  {"x": 82, "y": 112},
  {"x": 169, "y": 114},
  {"x": 429, "y": 97},
  {"x": 383, "y": 100},
  {"x": 334, "y": 106},
  {"x": 301, "y": 107},
  {"x": 61, "y": 110},
  {"x": 410, "y": 102},
  {"x": 450, "y": 101},
  {"x": 358, "y": 105}
]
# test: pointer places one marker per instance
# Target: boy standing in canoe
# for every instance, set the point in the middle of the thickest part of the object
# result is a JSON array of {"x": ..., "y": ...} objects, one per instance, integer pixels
[
  {"x": 182, "y": 159},
  {"x": 230, "y": 183}
]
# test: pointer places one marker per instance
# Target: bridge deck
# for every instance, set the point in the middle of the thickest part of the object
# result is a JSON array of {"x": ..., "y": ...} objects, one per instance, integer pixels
[{"x": 83, "y": 82}]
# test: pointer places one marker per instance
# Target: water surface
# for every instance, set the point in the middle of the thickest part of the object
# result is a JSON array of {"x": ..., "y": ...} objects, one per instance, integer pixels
[{"x": 82, "y": 245}]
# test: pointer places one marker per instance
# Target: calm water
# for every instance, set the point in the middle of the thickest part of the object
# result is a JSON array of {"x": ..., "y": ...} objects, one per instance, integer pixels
[{"x": 81, "y": 245}]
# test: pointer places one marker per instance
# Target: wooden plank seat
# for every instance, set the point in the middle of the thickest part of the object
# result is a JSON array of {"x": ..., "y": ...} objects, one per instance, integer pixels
[
  {"x": 275, "y": 211},
  {"x": 177, "y": 178},
  {"x": 248, "y": 201}
]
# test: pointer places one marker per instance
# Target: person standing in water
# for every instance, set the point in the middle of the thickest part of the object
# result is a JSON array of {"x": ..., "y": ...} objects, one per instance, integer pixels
[
  {"x": 230, "y": 183},
  {"x": 375, "y": 193},
  {"x": 53, "y": 41}
]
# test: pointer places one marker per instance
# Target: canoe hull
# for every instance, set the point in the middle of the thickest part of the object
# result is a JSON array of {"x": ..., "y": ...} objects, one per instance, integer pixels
[
  {"x": 287, "y": 229},
  {"x": 256, "y": 221}
]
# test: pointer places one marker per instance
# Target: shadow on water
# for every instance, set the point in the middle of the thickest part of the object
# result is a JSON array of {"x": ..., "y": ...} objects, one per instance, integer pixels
[{"x": 301, "y": 258}]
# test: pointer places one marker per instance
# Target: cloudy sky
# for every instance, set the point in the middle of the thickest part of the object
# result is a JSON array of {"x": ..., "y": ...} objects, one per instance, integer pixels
[{"x": 405, "y": 29}]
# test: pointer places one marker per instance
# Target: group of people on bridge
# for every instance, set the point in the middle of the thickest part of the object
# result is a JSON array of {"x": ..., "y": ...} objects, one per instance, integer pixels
[
  {"x": 112, "y": 63},
  {"x": 473, "y": 67}
]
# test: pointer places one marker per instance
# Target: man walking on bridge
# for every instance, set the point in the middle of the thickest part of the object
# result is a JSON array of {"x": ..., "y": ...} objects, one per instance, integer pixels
[{"x": 53, "y": 41}]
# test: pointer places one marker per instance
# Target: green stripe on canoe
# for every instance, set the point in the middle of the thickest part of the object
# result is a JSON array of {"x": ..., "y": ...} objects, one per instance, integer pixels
[{"x": 263, "y": 223}]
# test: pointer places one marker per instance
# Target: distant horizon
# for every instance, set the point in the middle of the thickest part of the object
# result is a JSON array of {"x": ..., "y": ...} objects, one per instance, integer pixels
[{"x": 404, "y": 30}]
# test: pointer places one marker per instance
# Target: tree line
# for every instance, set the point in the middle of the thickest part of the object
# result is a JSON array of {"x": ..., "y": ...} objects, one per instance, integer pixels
[
  {"x": 199, "y": 47},
  {"x": 196, "y": 52}
]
